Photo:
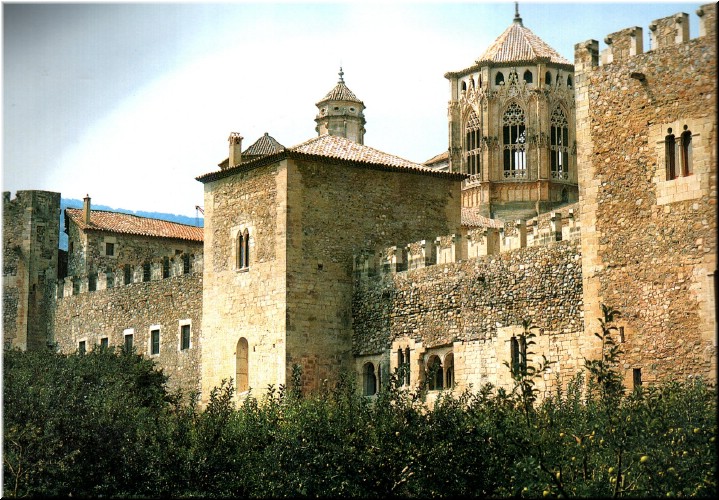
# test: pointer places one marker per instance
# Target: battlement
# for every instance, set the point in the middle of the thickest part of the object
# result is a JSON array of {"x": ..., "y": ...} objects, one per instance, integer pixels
[
  {"x": 544, "y": 230},
  {"x": 665, "y": 32},
  {"x": 104, "y": 278}
]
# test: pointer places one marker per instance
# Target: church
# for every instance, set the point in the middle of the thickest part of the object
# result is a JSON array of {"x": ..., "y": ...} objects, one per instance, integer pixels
[{"x": 565, "y": 186}]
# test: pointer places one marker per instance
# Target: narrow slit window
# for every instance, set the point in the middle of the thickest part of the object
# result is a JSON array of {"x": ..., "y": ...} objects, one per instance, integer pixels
[
  {"x": 686, "y": 146},
  {"x": 670, "y": 151}
]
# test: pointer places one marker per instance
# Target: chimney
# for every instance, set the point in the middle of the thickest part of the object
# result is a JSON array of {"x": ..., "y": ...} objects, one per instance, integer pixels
[
  {"x": 86, "y": 209},
  {"x": 235, "y": 149}
]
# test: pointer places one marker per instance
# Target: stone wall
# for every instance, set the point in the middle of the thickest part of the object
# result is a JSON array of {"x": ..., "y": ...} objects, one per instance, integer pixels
[
  {"x": 334, "y": 210},
  {"x": 31, "y": 232},
  {"x": 139, "y": 308},
  {"x": 649, "y": 241},
  {"x": 245, "y": 304},
  {"x": 472, "y": 308}
]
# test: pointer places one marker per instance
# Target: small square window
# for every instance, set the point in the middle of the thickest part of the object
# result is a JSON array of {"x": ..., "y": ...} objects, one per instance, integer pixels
[
  {"x": 184, "y": 337},
  {"x": 110, "y": 249},
  {"x": 155, "y": 342},
  {"x": 104, "y": 342}
]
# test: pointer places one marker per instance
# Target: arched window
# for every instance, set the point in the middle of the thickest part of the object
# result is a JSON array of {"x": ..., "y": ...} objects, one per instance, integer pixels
[
  {"x": 514, "y": 138},
  {"x": 242, "y": 373},
  {"x": 569, "y": 82},
  {"x": 464, "y": 86},
  {"x": 686, "y": 152},
  {"x": 369, "y": 380},
  {"x": 471, "y": 82},
  {"x": 449, "y": 370},
  {"x": 527, "y": 76},
  {"x": 559, "y": 145},
  {"x": 435, "y": 374},
  {"x": 548, "y": 78},
  {"x": 473, "y": 136},
  {"x": 243, "y": 249},
  {"x": 670, "y": 151},
  {"x": 499, "y": 79}
]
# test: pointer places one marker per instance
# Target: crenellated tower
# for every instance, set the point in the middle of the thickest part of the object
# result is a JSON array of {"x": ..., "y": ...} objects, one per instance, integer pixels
[
  {"x": 511, "y": 127},
  {"x": 341, "y": 113}
]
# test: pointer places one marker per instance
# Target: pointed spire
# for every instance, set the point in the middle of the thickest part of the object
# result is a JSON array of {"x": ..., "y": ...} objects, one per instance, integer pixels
[
  {"x": 341, "y": 73},
  {"x": 517, "y": 19}
]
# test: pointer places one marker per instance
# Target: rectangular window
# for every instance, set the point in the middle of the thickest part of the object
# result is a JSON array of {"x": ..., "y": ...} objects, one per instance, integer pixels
[
  {"x": 185, "y": 264},
  {"x": 109, "y": 280},
  {"x": 129, "y": 339},
  {"x": 92, "y": 282},
  {"x": 128, "y": 274},
  {"x": 109, "y": 249},
  {"x": 637, "y": 377},
  {"x": 104, "y": 342},
  {"x": 81, "y": 347},
  {"x": 154, "y": 341},
  {"x": 184, "y": 337}
]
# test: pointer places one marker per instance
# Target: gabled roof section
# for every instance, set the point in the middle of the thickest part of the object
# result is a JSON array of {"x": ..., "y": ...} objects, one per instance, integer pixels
[
  {"x": 442, "y": 157},
  {"x": 331, "y": 147},
  {"x": 116, "y": 222},
  {"x": 340, "y": 93},
  {"x": 520, "y": 44},
  {"x": 265, "y": 145}
]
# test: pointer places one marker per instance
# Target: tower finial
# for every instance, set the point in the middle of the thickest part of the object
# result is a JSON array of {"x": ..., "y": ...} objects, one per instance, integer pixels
[
  {"x": 517, "y": 19},
  {"x": 341, "y": 73}
]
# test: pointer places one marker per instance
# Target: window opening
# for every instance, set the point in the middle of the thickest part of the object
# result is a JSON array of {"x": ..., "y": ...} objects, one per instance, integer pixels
[
  {"x": 109, "y": 280},
  {"x": 92, "y": 282},
  {"x": 637, "y": 378},
  {"x": 435, "y": 374},
  {"x": 109, "y": 249},
  {"x": 518, "y": 354},
  {"x": 128, "y": 342},
  {"x": 686, "y": 145},
  {"x": 559, "y": 145},
  {"x": 369, "y": 379},
  {"x": 499, "y": 79},
  {"x": 243, "y": 249},
  {"x": 473, "y": 138},
  {"x": 449, "y": 371},
  {"x": 514, "y": 139},
  {"x": 242, "y": 368},
  {"x": 104, "y": 342},
  {"x": 166, "y": 267},
  {"x": 407, "y": 366},
  {"x": 146, "y": 272},
  {"x": 186, "y": 264},
  {"x": 548, "y": 78},
  {"x": 155, "y": 342},
  {"x": 569, "y": 82},
  {"x": 184, "y": 337},
  {"x": 81, "y": 347},
  {"x": 128, "y": 274},
  {"x": 670, "y": 151},
  {"x": 527, "y": 76}
]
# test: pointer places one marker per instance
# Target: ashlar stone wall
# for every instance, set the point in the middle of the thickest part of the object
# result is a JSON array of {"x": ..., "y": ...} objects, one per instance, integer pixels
[{"x": 649, "y": 241}]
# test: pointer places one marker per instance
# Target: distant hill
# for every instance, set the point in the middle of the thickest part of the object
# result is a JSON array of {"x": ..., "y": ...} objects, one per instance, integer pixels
[{"x": 72, "y": 203}]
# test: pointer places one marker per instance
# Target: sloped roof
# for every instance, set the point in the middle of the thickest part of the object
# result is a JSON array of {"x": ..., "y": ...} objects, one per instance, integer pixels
[
  {"x": 337, "y": 148},
  {"x": 472, "y": 218},
  {"x": 340, "y": 93},
  {"x": 265, "y": 145},
  {"x": 116, "y": 222},
  {"x": 444, "y": 156},
  {"x": 520, "y": 44}
]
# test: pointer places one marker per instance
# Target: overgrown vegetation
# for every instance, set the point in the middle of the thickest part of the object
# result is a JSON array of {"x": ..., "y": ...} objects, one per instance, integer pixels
[{"x": 102, "y": 424}]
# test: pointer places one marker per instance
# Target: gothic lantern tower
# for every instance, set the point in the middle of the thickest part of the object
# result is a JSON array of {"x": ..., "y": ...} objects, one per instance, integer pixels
[
  {"x": 512, "y": 127},
  {"x": 341, "y": 113}
]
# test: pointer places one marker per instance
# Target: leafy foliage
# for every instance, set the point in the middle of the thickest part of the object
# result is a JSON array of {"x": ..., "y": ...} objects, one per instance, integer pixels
[{"x": 102, "y": 424}]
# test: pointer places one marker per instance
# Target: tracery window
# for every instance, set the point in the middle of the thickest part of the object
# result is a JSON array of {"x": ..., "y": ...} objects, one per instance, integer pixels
[
  {"x": 514, "y": 139},
  {"x": 559, "y": 145},
  {"x": 241, "y": 365},
  {"x": 473, "y": 138},
  {"x": 435, "y": 374}
]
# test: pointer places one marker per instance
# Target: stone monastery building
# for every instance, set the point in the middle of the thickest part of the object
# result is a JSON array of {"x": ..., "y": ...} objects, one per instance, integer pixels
[{"x": 565, "y": 186}]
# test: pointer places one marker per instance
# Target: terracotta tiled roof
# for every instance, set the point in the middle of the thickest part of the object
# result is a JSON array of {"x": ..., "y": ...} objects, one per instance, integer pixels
[
  {"x": 518, "y": 43},
  {"x": 333, "y": 146},
  {"x": 340, "y": 93},
  {"x": 471, "y": 218},
  {"x": 116, "y": 222},
  {"x": 265, "y": 145},
  {"x": 444, "y": 156}
]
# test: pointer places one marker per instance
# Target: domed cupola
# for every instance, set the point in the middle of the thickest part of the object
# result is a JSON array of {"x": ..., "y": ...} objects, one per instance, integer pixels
[
  {"x": 512, "y": 127},
  {"x": 341, "y": 113}
]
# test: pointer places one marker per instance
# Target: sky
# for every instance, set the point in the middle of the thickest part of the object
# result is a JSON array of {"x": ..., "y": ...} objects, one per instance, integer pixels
[{"x": 130, "y": 102}]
